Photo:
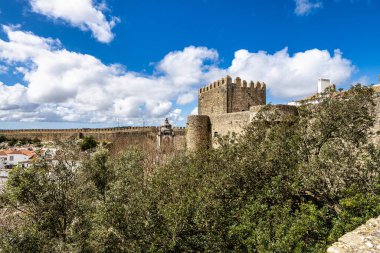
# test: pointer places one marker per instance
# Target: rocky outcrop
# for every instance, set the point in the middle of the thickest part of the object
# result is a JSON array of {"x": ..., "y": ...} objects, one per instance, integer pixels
[{"x": 364, "y": 239}]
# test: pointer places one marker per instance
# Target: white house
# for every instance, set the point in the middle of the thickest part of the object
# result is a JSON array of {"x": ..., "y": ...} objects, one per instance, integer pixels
[{"x": 10, "y": 158}]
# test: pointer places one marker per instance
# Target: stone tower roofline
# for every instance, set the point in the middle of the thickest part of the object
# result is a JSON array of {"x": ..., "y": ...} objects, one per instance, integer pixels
[{"x": 238, "y": 82}]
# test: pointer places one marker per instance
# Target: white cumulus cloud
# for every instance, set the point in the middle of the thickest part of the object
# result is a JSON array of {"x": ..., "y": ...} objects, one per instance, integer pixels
[
  {"x": 69, "y": 86},
  {"x": 305, "y": 7},
  {"x": 84, "y": 14},
  {"x": 291, "y": 76},
  {"x": 14, "y": 97},
  {"x": 62, "y": 85},
  {"x": 188, "y": 66},
  {"x": 186, "y": 98}
]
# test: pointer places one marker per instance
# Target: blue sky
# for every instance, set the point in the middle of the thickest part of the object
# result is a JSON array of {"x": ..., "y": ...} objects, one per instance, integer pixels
[{"x": 83, "y": 63}]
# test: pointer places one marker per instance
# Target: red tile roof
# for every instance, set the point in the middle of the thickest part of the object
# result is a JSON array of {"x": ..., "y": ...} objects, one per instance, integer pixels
[{"x": 25, "y": 152}]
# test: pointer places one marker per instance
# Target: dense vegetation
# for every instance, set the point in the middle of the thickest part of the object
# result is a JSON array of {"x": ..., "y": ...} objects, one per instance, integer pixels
[
  {"x": 294, "y": 185},
  {"x": 88, "y": 142},
  {"x": 24, "y": 141}
]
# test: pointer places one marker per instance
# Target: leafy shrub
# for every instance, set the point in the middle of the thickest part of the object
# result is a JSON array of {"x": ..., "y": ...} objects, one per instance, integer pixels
[{"x": 88, "y": 142}]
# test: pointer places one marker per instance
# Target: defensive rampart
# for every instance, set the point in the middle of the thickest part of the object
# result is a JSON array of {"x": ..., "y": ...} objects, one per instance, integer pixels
[
  {"x": 205, "y": 129},
  {"x": 131, "y": 134}
]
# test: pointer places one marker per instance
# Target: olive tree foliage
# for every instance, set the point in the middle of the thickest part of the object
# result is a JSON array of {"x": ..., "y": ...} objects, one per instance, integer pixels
[
  {"x": 88, "y": 142},
  {"x": 335, "y": 149},
  {"x": 71, "y": 205},
  {"x": 320, "y": 175},
  {"x": 122, "y": 219},
  {"x": 51, "y": 206}
]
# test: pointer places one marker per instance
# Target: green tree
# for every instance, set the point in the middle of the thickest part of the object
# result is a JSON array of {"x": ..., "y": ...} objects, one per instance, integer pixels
[
  {"x": 52, "y": 206},
  {"x": 88, "y": 142},
  {"x": 121, "y": 220},
  {"x": 99, "y": 171},
  {"x": 3, "y": 138},
  {"x": 315, "y": 173},
  {"x": 12, "y": 142}
]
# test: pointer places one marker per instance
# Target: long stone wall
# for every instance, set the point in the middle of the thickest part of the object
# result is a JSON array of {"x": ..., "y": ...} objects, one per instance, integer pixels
[
  {"x": 131, "y": 135},
  {"x": 225, "y": 124},
  {"x": 364, "y": 239},
  {"x": 205, "y": 129}
]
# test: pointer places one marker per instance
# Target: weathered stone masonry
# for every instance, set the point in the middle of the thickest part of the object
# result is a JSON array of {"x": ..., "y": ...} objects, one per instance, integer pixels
[
  {"x": 225, "y": 107},
  {"x": 364, "y": 239},
  {"x": 129, "y": 135},
  {"x": 198, "y": 135},
  {"x": 225, "y": 96}
]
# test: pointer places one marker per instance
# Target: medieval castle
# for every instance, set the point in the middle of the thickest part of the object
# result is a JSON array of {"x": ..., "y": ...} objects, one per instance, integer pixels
[{"x": 224, "y": 106}]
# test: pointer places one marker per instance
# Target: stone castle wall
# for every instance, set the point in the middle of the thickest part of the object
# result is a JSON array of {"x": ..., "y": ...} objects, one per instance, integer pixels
[
  {"x": 227, "y": 107},
  {"x": 236, "y": 122},
  {"x": 365, "y": 238},
  {"x": 212, "y": 99},
  {"x": 243, "y": 95},
  {"x": 129, "y": 135},
  {"x": 204, "y": 130},
  {"x": 227, "y": 123},
  {"x": 225, "y": 96}
]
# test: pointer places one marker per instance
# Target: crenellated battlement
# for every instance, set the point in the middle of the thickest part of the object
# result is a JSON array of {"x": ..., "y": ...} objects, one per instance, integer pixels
[
  {"x": 238, "y": 82},
  {"x": 89, "y": 130},
  {"x": 219, "y": 83},
  {"x": 100, "y": 134},
  {"x": 227, "y": 95},
  {"x": 227, "y": 106}
]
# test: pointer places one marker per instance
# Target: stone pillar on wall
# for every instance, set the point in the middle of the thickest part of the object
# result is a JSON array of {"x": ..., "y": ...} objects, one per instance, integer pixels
[{"x": 165, "y": 136}]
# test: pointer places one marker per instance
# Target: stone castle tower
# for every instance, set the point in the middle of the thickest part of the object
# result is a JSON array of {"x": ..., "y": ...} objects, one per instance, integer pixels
[
  {"x": 198, "y": 132},
  {"x": 223, "y": 106},
  {"x": 225, "y": 96}
]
